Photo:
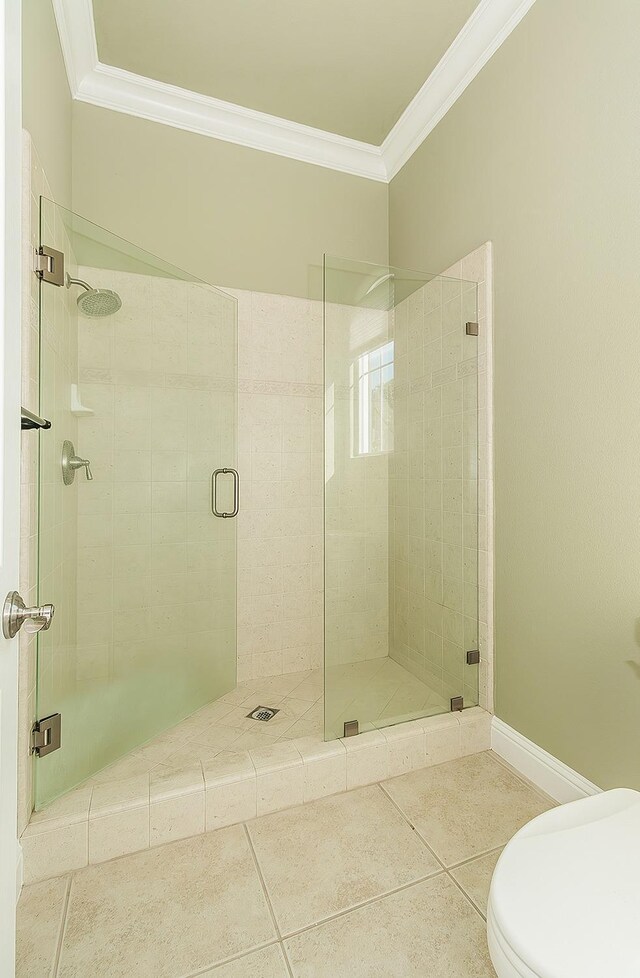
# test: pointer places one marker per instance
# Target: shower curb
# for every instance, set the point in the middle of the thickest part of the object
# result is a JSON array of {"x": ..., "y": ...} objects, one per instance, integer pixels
[{"x": 262, "y": 781}]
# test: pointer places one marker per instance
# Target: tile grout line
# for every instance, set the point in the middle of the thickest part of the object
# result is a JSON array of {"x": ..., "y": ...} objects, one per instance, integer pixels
[
  {"x": 365, "y": 903},
  {"x": 262, "y": 882},
  {"x": 466, "y": 896},
  {"x": 412, "y": 826},
  {"x": 208, "y": 969},
  {"x": 472, "y": 859},
  {"x": 287, "y": 962},
  {"x": 63, "y": 927},
  {"x": 457, "y": 865}
]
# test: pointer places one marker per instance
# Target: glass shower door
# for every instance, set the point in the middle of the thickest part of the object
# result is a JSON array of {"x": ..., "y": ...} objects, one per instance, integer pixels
[
  {"x": 138, "y": 368},
  {"x": 401, "y": 495}
]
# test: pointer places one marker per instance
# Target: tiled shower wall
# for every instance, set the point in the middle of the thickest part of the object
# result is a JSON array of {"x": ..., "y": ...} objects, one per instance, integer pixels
[
  {"x": 433, "y": 614},
  {"x": 280, "y": 461},
  {"x": 164, "y": 422},
  {"x": 282, "y": 470},
  {"x": 440, "y": 560},
  {"x": 357, "y": 495},
  {"x": 280, "y": 534}
]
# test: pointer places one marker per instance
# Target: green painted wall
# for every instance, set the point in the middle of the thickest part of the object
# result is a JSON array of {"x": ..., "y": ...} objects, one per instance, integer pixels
[
  {"x": 231, "y": 215},
  {"x": 46, "y": 100},
  {"x": 542, "y": 156}
]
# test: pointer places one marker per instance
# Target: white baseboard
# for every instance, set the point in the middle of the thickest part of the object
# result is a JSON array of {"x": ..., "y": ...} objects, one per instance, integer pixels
[
  {"x": 541, "y": 768},
  {"x": 19, "y": 871}
]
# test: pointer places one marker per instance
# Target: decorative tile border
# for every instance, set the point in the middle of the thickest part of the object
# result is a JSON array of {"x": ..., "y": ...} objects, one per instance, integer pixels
[
  {"x": 95, "y": 823},
  {"x": 154, "y": 378},
  {"x": 279, "y": 387}
]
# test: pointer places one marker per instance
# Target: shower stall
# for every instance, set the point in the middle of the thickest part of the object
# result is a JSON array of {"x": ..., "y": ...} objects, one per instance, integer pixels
[{"x": 138, "y": 489}]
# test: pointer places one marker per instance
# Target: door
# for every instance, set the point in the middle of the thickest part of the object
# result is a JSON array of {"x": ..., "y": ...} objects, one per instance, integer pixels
[
  {"x": 10, "y": 143},
  {"x": 138, "y": 368},
  {"x": 401, "y": 495}
]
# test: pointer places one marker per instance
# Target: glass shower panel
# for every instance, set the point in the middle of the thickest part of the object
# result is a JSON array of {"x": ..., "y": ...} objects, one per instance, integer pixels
[
  {"x": 139, "y": 380},
  {"x": 401, "y": 507}
]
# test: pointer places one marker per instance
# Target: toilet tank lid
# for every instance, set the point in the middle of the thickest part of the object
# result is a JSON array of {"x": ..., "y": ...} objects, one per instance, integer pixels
[{"x": 565, "y": 894}]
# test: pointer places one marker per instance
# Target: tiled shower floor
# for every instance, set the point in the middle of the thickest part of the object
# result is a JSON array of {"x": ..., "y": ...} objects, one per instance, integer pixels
[{"x": 377, "y": 689}]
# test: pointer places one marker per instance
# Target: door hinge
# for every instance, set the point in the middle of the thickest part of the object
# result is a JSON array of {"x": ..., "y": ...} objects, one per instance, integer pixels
[
  {"x": 457, "y": 703},
  {"x": 45, "y": 736},
  {"x": 473, "y": 657},
  {"x": 50, "y": 265},
  {"x": 472, "y": 329}
]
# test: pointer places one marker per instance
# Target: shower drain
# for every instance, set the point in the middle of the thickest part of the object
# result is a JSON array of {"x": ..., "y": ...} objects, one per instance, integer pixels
[{"x": 262, "y": 713}]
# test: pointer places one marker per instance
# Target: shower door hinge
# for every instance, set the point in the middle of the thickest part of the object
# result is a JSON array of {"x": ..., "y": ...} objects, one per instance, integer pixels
[
  {"x": 45, "y": 736},
  {"x": 50, "y": 265},
  {"x": 457, "y": 703},
  {"x": 472, "y": 329},
  {"x": 473, "y": 657}
]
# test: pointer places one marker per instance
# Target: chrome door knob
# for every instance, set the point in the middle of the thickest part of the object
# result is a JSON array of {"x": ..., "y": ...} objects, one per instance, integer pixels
[{"x": 15, "y": 613}]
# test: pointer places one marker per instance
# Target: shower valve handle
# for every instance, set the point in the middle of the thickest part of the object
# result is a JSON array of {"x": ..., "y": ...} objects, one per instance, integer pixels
[
  {"x": 72, "y": 462},
  {"x": 77, "y": 463}
]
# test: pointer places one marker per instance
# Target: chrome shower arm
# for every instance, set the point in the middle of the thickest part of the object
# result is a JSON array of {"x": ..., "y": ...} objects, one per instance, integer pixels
[{"x": 78, "y": 281}]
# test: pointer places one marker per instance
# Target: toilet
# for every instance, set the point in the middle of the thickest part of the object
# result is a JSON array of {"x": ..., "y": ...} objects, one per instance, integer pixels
[{"x": 565, "y": 894}]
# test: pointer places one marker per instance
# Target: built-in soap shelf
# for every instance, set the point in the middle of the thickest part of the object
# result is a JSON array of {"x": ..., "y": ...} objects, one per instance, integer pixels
[{"x": 77, "y": 407}]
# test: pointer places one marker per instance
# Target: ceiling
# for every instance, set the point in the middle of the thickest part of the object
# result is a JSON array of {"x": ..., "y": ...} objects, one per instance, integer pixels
[{"x": 345, "y": 66}]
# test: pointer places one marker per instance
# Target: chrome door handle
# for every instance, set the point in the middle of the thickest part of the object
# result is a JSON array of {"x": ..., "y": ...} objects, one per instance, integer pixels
[
  {"x": 214, "y": 493},
  {"x": 15, "y": 614}
]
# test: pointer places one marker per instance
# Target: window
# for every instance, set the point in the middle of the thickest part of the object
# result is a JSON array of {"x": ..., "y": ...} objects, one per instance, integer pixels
[{"x": 372, "y": 402}]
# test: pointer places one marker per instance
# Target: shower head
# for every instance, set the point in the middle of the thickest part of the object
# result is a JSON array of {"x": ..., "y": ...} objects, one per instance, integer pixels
[
  {"x": 387, "y": 277},
  {"x": 99, "y": 302},
  {"x": 95, "y": 303}
]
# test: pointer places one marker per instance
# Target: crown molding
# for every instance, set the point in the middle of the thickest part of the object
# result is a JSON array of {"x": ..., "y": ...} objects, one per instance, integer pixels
[
  {"x": 123, "y": 91},
  {"x": 488, "y": 27},
  {"x": 77, "y": 32}
]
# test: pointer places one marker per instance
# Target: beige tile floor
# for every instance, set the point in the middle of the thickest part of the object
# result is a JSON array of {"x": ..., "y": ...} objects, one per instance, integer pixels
[
  {"x": 378, "y": 690},
  {"x": 388, "y": 881}
]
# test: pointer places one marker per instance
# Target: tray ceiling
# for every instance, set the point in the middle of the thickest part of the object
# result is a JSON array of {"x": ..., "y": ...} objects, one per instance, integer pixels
[
  {"x": 351, "y": 72},
  {"x": 343, "y": 66}
]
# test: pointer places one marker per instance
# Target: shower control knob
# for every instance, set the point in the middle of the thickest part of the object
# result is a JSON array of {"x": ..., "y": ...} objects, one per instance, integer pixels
[
  {"x": 82, "y": 463},
  {"x": 15, "y": 613},
  {"x": 72, "y": 462}
]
